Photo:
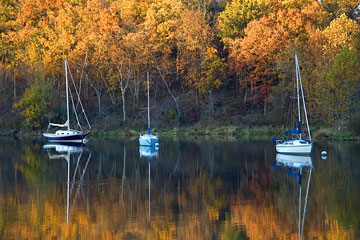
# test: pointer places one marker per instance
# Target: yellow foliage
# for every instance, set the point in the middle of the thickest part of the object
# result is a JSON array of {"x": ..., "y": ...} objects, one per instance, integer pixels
[{"x": 341, "y": 33}]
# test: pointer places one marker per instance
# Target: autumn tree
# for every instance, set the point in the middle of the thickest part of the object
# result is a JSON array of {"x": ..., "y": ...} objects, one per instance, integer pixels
[
  {"x": 8, "y": 12},
  {"x": 160, "y": 25},
  {"x": 335, "y": 91},
  {"x": 197, "y": 59},
  {"x": 193, "y": 37},
  {"x": 320, "y": 52},
  {"x": 265, "y": 41},
  {"x": 339, "y": 7},
  {"x": 342, "y": 32},
  {"x": 209, "y": 8},
  {"x": 37, "y": 102},
  {"x": 237, "y": 14}
]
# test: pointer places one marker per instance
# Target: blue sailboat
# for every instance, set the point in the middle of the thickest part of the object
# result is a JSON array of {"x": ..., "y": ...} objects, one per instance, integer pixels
[{"x": 148, "y": 139}]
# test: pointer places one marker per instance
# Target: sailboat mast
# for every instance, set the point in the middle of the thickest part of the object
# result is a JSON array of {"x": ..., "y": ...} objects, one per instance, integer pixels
[
  {"x": 148, "y": 100},
  {"x": 297, "y": 85},
  {"x": 67, "y": 95}
]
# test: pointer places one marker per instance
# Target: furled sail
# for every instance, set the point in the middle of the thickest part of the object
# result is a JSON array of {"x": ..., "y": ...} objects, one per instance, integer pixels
[
  {"x": 66, "y": 124},
  {"x": 295, "y": 131}
]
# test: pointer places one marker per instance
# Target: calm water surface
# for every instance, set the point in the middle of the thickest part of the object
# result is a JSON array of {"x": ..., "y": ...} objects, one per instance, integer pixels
[{"x": 189, "y": 189}]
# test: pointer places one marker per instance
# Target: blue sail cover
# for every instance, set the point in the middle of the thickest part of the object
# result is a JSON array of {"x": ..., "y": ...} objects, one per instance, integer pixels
[{"x": 295, "y": 131}]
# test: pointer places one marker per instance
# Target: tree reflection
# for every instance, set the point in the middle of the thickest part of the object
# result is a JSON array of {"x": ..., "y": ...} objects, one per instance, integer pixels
[{"x": 198, "y": 190}]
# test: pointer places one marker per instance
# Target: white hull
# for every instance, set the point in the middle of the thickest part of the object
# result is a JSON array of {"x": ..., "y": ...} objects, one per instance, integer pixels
[
  {"x": 66, "y": 136},
  {"x": 294, "y": 147},
  {"x": 148, "y": 140}
]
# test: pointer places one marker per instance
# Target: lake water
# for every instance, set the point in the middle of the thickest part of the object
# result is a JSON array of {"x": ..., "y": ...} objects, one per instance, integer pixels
[{"x": 189, "y": 189}]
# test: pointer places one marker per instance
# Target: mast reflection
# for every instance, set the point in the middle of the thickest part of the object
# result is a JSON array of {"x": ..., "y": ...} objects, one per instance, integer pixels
[
  {"x": 295, "y": 166},
  {"x": 66, "y": 151},
  {"x": 149, "y": 153}
]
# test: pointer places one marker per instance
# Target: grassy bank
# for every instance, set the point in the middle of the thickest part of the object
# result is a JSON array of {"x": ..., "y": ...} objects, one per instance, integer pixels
[
  {"x": 328, "y": 133},
  {"x": 231, "y": 131},
  {"x": 240, "y": 132}
]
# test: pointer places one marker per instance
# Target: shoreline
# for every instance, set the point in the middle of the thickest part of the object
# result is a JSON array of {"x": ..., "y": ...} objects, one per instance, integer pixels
[{"x": 237, "y": 132}]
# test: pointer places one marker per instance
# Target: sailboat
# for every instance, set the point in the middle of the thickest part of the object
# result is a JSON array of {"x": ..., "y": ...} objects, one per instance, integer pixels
[
  {"x": 69, "y": 135},
  {"x": 297, "y": 144},
  {"x": 148, "y": 139}
]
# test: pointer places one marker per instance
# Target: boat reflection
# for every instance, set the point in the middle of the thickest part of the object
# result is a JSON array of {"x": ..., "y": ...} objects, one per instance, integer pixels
[
  {"x": 65, "y": 151},
  {"x": 149, "y": 153},
  {"x": 296, "y": 165}
]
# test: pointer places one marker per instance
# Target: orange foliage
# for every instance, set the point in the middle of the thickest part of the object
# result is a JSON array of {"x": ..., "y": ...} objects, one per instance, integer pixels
[{"x": 265, "y": 40}]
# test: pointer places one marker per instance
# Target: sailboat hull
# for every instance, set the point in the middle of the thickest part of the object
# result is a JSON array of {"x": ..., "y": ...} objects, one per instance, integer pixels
[
  {"x": 66, "y": 136},
  {"x": 294, "y": 147},
  {"x": 148, "y": 140}
]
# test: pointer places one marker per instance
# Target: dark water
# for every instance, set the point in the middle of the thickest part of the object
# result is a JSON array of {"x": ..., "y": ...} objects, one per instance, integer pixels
[{"x": 199, "y": 189}]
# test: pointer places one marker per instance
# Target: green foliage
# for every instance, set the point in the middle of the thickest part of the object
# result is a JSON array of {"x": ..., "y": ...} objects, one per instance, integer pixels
[
  {"x": 213, "y": 71},
  {"x": 337, "y": 88},
  {"x": 170, "y": 114},
  {"x": 36, "y": 102},
  {"x": 34, "y": 166},
  {"x": 354, "y": 124},
  {"x": 237, "y": 15}
]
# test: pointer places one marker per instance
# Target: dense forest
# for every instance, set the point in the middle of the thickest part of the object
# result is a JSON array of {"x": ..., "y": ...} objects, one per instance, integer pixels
[{"x": 210, "y": 61}]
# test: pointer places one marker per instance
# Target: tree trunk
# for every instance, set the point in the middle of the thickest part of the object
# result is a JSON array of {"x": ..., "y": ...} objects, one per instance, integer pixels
[
  {"x": 168, "y": 88},
  {"x": 99, "y": 102},
  {"x": 123, "y": 103},
  {"x": 14, "y": 81},
  {"x": 211, "y": 103},
  {"x": 264, "y": 108},
  {"x": 98, "y": 93}
]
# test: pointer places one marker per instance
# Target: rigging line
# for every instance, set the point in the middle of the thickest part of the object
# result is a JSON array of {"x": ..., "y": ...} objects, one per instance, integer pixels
[
  {"x": 87, "y": 163},
  {"x": 73, "y": 104},
  {"x": 77, "y": 165},
  {"x": 80, "y": 181},
  {"x": 297, "y": 86},
  {"x": 302, "y": 94},
  {"x": 78, "y": 95},
  {"x": 306, "y": 198}
]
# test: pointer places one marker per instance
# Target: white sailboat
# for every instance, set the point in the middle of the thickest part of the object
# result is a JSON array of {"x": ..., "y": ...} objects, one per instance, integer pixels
[
  {"x": 297, "y": 144},
  {"x": 148, "y": 139},
  {"x": 69, "y": 135}
]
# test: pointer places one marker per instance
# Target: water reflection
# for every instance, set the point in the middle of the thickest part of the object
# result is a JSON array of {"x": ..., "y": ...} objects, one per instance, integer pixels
[
  {"x": 295, "y": 166},
  {"x": 66, "y": 152},
  {"x": 192, "y": 189},
  {"x": 149, "y": 153}
]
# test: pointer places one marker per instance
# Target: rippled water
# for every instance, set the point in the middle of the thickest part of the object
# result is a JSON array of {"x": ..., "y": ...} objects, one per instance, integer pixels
[{"x": 188, "y": 189}]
